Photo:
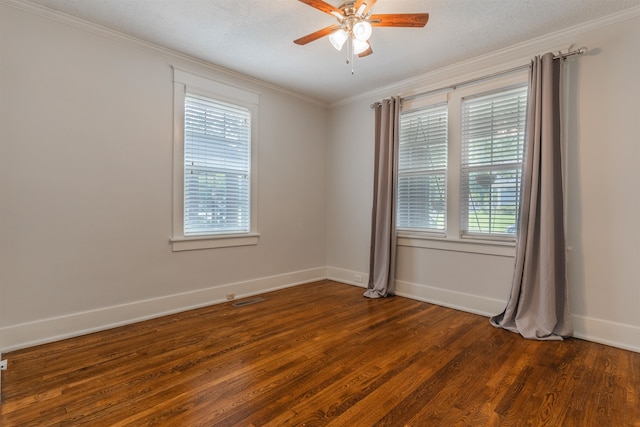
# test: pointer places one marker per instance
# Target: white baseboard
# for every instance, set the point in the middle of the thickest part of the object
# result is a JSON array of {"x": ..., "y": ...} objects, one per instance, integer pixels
[
  {"x": 606, "y": 332},
  {"x": 440, "y": 296},
  {"x": 613, "y": 334},
  {"x": 53, "y": 329},
  {"x": 475, "y": 304},
  {"x": 347, "y": 276},
  {"x": 56, "y": 328}
]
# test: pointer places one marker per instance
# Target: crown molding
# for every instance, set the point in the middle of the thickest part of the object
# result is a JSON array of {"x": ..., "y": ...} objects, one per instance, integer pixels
[
  {"x": 518, "y": 54},
  {"x": 502, "y": 59},
  {"x": 118, "y": 36}
]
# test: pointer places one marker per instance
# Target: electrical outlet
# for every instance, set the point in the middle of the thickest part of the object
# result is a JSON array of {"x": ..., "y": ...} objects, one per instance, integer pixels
[
  {"x": 357, "y": 278},
  {"x": 3, "y": 365},
  {"x": 231, "y": 297}
]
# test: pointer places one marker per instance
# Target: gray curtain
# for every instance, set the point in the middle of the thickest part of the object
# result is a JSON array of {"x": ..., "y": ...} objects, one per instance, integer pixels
[
  {"x": 382, "y": 262},
  {"x": 538, "y": 305}
]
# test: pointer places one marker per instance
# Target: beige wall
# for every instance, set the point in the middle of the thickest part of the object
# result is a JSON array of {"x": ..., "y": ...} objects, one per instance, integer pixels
[{"x": 603, "y": 124}]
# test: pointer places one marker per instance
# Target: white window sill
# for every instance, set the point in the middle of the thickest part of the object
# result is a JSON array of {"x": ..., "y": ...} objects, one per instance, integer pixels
[
  {"x": 212, "y": 242},
  {"x": 485, "y": 247}
]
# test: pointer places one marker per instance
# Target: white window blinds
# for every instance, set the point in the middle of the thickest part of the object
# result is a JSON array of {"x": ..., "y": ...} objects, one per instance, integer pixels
[
  {"x": 217, "y": 159},
  {"x": 493, "y": 132},
  {"x": 422, "y": 169}
]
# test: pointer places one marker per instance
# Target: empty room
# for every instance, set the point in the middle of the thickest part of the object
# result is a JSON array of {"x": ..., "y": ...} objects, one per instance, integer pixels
[{"x": 319, "y": 212}]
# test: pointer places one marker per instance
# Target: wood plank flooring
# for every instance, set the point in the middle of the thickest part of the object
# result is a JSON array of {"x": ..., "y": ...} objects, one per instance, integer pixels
[{"x": 320, "y": 354}]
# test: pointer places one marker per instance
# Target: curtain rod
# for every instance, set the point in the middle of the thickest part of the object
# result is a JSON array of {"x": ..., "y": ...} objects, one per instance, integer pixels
[{"x": 580, "y": 51}]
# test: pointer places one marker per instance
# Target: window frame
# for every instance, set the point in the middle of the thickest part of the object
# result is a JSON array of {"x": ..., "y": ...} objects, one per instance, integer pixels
[
  {"x": 453, "y": 238},
  {"x": 470, "y": 168},
  {"x": 189, "y": 83},
  {"x": 424, "y": 170}
]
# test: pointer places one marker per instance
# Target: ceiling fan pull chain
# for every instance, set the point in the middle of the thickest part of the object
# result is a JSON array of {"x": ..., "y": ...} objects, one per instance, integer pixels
[{"x": 351, "y": 53}]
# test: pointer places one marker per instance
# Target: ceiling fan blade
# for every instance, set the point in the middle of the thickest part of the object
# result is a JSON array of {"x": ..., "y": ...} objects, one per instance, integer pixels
[
  {"x": 368, "y": 5},
  {"x": 399, "y": 20},
  {"x": 322, "y": 6},
  {"x": 315, "y": 36},
  {"x": 367, "y": 52}
]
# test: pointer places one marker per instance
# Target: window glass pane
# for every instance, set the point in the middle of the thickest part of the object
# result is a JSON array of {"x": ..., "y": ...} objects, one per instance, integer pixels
[
  {"x": 217, "y": 153},
  {"x": 493, "y": 201},
  {"x": 421, "y": 201},
  {"x": 422, "y": 168},
  {"x": 493, "y": 130}
]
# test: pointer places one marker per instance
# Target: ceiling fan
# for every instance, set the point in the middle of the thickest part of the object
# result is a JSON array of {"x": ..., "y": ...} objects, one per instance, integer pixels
[{"x": 354, "y": 24}]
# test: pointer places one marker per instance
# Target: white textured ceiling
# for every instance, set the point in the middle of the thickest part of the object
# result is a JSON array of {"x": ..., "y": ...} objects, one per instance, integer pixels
[{"x": 255, "y": 37}]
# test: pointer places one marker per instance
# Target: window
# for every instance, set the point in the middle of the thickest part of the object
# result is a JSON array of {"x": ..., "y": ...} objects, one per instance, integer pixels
[
  {"x": 422, "y": 169},
  {"x": 214, "y": 157},
  {"x": 493, "y": 129},
  {"x": 460, "y": 159}
]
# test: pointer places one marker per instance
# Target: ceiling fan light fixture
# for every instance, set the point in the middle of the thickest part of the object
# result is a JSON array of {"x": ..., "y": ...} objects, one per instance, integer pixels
[
  {"x": 337, "y": 38},
  {"x": 362, "y": 30},
  {"x": 359, "y": 46}
]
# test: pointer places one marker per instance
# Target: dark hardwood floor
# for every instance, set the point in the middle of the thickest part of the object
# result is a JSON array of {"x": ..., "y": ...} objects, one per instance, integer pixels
[{"x": 320, "y": 354}]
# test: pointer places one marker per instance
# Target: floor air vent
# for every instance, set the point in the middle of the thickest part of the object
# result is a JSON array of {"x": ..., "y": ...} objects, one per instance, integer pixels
[{"x": 248, "y": 302}]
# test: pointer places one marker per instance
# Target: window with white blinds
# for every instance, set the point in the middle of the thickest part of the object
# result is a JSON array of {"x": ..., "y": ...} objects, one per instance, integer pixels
[
  {"x": 493, "y": 132},
  {"x": 217, "y": 167},
  {"x": 215, "y": 142},
  {"x": 422, "y": 169}
]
